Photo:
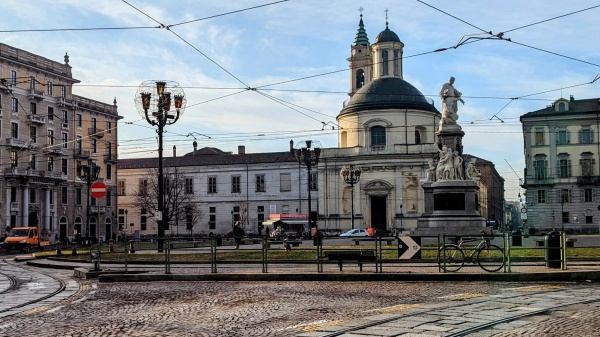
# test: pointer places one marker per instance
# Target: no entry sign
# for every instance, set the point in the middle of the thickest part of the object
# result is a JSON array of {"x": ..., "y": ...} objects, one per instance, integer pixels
[{"x": 98, "y": 190}]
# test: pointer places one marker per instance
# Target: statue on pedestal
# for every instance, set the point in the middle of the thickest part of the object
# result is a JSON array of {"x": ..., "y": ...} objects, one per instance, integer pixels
[
  {"x": 449, "y": 96},
  {"x": 429, "y": 173},
  {"x": 472, "y": 171},
  {"x": 445, "y": 166}
]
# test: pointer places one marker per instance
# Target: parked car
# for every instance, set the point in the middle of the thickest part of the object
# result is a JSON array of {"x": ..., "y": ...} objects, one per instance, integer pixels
[{"x": 355, "y": 232}]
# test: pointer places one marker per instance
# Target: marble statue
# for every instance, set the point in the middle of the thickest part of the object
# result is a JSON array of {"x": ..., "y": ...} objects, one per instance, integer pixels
[
  {"x": 450, "y": 96},
  {"x": 445, "y": 165},
  {"x": 458, "y": 169},
  {"x": 429, "y": 173},
  {"x": 472, "y": 171}
]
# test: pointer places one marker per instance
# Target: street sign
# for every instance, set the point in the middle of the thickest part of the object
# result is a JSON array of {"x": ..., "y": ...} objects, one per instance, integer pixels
[
  {"x": 98, "y": 190},
  {"x": 409, "y": 247}
]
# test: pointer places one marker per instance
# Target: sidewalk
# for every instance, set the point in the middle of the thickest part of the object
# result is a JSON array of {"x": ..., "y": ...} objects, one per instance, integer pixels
[{"x": 241, "y": 271}]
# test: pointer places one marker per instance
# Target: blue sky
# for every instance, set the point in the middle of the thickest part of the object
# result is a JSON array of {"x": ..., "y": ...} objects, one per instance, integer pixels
[{"x": 262, "y": 47}]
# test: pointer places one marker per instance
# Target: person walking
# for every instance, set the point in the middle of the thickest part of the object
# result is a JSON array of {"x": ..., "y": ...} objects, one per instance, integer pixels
[{"x": 238, "y": 233}]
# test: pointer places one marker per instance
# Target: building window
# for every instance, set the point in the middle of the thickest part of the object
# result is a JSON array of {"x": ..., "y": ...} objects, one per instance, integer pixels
[
  {"x": 50, "y": 164},
  {"x": 32, "y": 195},
  {"x": 50, "y": 113},
  {"x": 121, "y": 187},
  {"x": 417, "y": 137},
  {"x": 236, "y": 213},
  {"x": 108, "y": 127},
  {"x": 108, "y": 197},
  {"x": 378, "y": 137},
  {"x": 65, "y": 166},
  {"x": 33, "y": 108},
  {"x": 94, "y": 145},
  {"x": 13, "y": 194},
  {"x": 14, "y": 157},
  {"x": 32, "y": 161},
  {"x": 14, "y": 104},
  {"x": 143, "y": 187},
  {"x": 588, "y": 195},
  {"x": 49, "y": 88},
  {"x": 108, "y": 172},
  {"x": 33, "y": 134},
  {"x": 212, "y": 218},
  {"x": 285, "y": 209},
  {"x": 50, "y": 137},
  {"x": 78, "y": 120},
  {"x": 539, "y": 137},
  {"x": 562, "y": 107},
  {"x": 564, "y": 168},
  {"x": 563, "y": 137},
  {"x": 260, "y": 183},
  {"x": 64, "y": 196},
  {"x": 65, "y": 140},
  {"x": 285, "y": 182},
  {"x": 78, "y": 145},
  {"x": 63, "y": 91},
  {"x": 13, "y": 77},
  {"x": 94, "y": 125},
  {"x": 14, "y": 130},
  {"x": 541, "y": 196},
  {"x": 587, "y": 166},
  {"x": 395, "y": 62},
  {"x": 565, "y": 196},
  {"x": 261, "y": 215},
  {"x": 143, "y": 220},
  {"x": 65, "y": 116},
  {"x": 384, "y": 63},
  {"x": 360, "y": 78},
  {"x": 189, "y": 186},
  {"x": 586, "y": 136},
  {"x": 212, "y": 184},
  {"x": 78, "y": 196},
  {"x": 314, "y": 182},
  {"x": 236, "y": 184}
]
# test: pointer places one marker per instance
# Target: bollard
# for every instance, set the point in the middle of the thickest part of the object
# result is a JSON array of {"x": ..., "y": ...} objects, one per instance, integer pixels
[
  {"x": 58, "y": 251},
  {"x": 131, "y": 248},
  {"x": 74, "y": 251}
]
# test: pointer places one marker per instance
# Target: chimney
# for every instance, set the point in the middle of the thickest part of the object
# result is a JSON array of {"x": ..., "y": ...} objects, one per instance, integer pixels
[
  {"x": 174, "y": 151},
  {"x": 572, "y": 99},
  {"x": 195, "y": 147},
  {"x": 241, "y": 149},
  {"x": 291, "y": 146}
]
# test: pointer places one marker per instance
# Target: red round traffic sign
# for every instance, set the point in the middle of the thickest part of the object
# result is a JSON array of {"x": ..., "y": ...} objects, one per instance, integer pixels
[{"x": 98, "y": 190}]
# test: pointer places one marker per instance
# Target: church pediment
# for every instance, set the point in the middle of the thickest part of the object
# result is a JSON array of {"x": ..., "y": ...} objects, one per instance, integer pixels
[{"x": 378, "y": 187}]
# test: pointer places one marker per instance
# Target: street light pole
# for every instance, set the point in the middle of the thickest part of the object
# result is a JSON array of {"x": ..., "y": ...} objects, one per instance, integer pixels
[
  {"x": 156, "y": 108},
  {"x": 351, "y": 176},
  {"x": 308, "y": 153},
  {"x": 88, "y": 173}
]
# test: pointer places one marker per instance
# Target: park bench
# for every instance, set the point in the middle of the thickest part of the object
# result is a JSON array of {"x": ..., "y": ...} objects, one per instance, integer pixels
[
  {"x": 185, "y": 244},
  {"x": 293, "y": 243},
  {"x": 358, "y": 256},
  {"x": 388, "y": 240}
]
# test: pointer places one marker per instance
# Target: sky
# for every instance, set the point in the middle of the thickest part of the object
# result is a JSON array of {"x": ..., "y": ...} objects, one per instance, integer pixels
[{"x": 260, "y": 73}]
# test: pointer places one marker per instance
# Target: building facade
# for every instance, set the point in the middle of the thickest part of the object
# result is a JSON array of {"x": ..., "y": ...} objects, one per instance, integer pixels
[
  {"x": 226, "y": 187},
  {"x": 562, "y": 172},
  {"x": 47, "y": 132}
]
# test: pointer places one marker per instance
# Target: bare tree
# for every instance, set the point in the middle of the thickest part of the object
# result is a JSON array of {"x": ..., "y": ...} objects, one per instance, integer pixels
[{"x": 179, "y": 203}]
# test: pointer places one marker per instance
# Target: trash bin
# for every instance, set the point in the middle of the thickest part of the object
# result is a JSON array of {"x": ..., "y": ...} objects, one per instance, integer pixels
[
  {"x": 219, "y": 240},
  {"x": 517, "y": 238},
  {"x": 552, "y": 249}
]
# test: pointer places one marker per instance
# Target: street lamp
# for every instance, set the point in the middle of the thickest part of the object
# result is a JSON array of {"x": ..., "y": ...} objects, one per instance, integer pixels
[
  {"x": 308, "y": 153},
  {"x": 351, "y": 176},
  {"x": 156, "y": 108},
  {"x": 89, "y": 173}
]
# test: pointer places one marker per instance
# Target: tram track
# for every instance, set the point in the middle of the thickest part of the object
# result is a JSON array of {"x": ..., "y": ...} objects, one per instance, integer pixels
[
  {"x": 473, "y": 329},
  {"x": 17, "y": 287}
]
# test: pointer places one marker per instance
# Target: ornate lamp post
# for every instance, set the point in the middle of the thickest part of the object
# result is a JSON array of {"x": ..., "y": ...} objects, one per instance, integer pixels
[
  {"x": 156, "y": 108},
  {"x": 308, "y": 153},
  {"x": 89, "y": 173},
  {"x": 351, "y": 176}
]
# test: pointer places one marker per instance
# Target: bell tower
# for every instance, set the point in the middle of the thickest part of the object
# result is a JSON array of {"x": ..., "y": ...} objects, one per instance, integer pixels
[{"x": 361, "y": 63}]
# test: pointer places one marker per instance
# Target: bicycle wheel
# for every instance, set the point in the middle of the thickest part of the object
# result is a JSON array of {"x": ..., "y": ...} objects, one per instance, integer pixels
[
  {"x": 490, "y": 258},
  {"x": 451, "y": 258}
]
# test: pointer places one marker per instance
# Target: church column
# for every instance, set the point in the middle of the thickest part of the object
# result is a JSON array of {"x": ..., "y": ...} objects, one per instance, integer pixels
[{"x": 25, "y": 207}]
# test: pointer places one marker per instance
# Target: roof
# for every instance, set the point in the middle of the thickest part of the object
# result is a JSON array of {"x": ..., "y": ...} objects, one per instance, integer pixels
[
  {"x": 387, "y": 36},
  {"x": 581, "y": 106},
  {"x": 388, "y": 93},
  {"x": 361, "y": 35},
  {"x": 223, "y": 158}
]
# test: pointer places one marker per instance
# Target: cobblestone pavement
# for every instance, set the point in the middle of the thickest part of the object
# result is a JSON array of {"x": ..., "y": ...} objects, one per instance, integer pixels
[{"x": 293, "y": 309}]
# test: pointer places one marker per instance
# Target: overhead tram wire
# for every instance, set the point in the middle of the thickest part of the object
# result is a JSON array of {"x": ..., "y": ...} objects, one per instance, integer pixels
[{"x": 75, "y": 29}]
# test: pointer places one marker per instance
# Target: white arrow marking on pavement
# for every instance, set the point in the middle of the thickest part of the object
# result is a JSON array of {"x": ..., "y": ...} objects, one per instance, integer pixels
[{"x": 413, "y": 247}]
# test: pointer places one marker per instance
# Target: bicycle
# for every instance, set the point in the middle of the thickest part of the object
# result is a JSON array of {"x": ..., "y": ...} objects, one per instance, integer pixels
[{"x": 452, "y": 257}]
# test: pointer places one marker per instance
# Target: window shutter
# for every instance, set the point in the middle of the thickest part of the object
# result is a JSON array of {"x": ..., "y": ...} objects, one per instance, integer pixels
[
  {"x": 568, "y": 133},
  {"x": 569, "y": 168},
  {"x": 580, "y": 136},
  {"x": 558, "y": 168}
]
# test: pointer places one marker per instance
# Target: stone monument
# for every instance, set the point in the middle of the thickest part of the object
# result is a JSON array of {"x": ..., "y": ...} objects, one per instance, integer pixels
[{"x": 450, "y": 185}]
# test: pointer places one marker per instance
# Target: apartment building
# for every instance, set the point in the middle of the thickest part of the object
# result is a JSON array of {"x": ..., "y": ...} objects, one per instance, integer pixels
[{"x": 48, "y": 135}]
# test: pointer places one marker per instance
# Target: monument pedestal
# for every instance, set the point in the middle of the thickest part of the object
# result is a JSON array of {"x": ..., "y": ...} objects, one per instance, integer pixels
[{"x": 451, "y": 207}]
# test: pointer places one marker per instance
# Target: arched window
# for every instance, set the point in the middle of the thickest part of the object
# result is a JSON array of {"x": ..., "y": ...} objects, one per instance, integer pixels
[
  {"x": 378, "y": 137},
  {"x": 384, "y": 62},
  {"x": 360, "y": 78},
  {"x": 562, "y": 107},
  {"x": 417, "y": 137},
  {"x": 396, "y": 61}
]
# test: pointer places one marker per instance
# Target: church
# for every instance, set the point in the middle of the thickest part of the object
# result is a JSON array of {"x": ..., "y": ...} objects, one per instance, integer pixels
[{"x": 387, "y": 129}]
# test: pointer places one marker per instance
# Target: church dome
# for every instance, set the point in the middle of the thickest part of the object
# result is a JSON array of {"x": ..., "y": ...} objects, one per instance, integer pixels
[
  {"x": 387, "y": 36},
  {"x": 388, "y": 93}
]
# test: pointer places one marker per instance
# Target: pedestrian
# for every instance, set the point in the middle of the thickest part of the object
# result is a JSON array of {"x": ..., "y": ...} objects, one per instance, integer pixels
[{"x": 238, "y": 233}]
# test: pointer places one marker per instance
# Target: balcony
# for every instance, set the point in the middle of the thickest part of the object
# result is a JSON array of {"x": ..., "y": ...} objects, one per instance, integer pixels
[
  {"x": 14, "y": 142},
  {"x": 63, "y": 102},
  {"x": 588, "y": 180},
  {"x": 96, "y": 132},
  {"x": 54, "y": 150},
  {"x": 539, "y": 181},
  {"x": 110, "y": 158},
  {"x": 81, "y": 154},
  {"x": 36, "y": 119},
  {"x": 35, "y": 94}
]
